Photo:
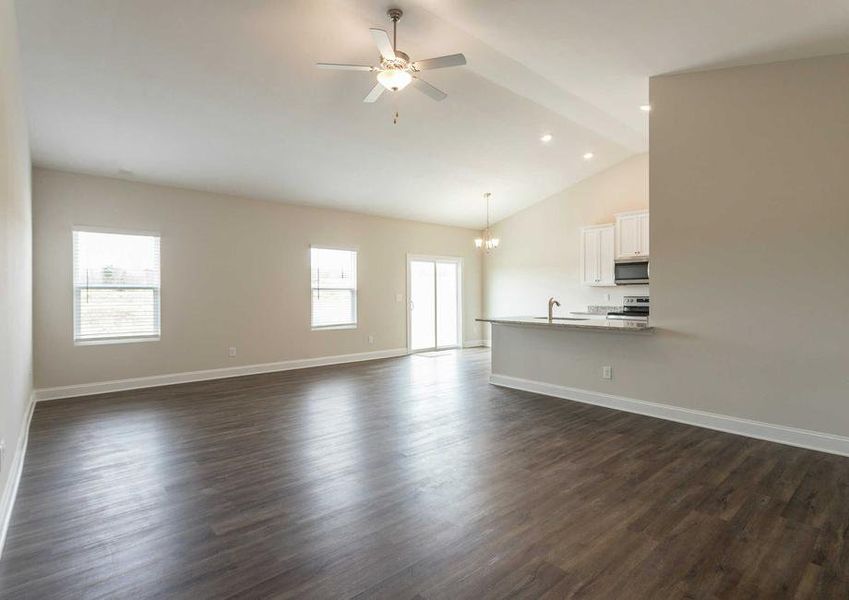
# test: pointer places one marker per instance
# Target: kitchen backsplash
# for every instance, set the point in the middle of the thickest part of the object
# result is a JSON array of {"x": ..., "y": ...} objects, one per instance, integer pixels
[{"x": 602, "y": 309}]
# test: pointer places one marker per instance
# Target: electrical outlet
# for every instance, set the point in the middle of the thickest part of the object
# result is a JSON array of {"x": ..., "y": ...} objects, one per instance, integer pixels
[
  {"x": 607, "y": 372},
  {"x": 399, "y": 297},
  {"x": 371, "y": 339},
  {"x": 231, "y": 352}
]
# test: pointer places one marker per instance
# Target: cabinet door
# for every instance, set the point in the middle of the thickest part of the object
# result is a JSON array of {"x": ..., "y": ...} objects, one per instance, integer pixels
[
  {"x": 644, "y": 234},
  {"x": 590, "y": 256},
  {"x": 606, "y": 274},
  {"x": 627, "y": 236}
]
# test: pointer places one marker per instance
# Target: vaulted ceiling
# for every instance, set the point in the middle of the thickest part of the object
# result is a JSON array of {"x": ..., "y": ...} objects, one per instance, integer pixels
[{"x": 224, "y": 96}]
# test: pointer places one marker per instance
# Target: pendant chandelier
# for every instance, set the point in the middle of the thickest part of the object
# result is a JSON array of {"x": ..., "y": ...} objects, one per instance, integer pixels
[{"x": 487, "y": 242}]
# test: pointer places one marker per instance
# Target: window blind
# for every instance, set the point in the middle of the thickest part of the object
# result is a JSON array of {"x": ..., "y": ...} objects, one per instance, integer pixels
[
  {"x": 116, "y": 286},
  {"x": 334, "y": 287}
]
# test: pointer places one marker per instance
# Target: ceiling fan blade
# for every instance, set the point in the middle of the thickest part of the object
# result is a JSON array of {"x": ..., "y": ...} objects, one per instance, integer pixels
[
  {"x": 344, "y": 67},
  {"x": 428, "y": 90},
  {"x": 383, "y": 43},
  {"x": 452, "y": 60},
  {"x": 375, "y": 93}
]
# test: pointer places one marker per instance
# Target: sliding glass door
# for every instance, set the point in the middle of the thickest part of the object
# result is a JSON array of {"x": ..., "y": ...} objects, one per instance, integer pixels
[{"x": 434, "y": 292}]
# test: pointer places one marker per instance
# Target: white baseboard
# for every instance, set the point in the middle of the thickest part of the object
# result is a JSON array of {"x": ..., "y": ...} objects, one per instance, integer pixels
[
  {"x": 803, "y": 438},
  {"x": 119, "y": 385},
  {"x": 7, "y": 498},
  {"x": 475, "y": 343}
]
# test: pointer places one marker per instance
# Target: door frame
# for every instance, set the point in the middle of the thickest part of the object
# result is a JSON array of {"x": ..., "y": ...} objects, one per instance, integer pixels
[{"x": 458, "y": 260}]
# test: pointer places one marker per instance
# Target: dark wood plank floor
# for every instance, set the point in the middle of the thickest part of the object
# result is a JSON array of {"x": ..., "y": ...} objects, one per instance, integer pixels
[{"x": 411, "y": 477}]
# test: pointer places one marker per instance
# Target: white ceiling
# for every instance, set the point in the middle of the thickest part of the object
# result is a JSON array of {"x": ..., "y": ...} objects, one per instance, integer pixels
[{"x": 223, "y": 96}]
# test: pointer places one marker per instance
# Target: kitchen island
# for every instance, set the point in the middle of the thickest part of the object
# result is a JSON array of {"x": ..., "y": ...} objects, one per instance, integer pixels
[{"x": 594, "y": 360}]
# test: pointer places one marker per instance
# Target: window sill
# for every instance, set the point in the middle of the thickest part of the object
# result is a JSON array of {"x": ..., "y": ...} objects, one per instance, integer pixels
[
  {"x": 104, "y": 341},
  {"x": 334, "y": 327}
]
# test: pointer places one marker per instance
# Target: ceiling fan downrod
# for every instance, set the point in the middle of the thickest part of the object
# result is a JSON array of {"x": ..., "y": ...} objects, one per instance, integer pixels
[{"x": 395, "y": 14}]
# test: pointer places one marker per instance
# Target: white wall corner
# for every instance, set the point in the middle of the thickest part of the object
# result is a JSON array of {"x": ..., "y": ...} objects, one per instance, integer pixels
[{"x": 791, "y": 436}]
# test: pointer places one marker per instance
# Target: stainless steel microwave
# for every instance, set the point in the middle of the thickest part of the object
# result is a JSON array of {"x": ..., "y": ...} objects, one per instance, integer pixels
[{"x": 632, "y": 271}]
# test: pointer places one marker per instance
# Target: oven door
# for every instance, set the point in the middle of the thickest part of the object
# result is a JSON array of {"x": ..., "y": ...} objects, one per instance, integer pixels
[{"x": 631, "y": 272}]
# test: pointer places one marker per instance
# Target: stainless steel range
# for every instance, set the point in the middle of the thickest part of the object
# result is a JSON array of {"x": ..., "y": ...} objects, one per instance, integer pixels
[{"x": 635, "y": 308}]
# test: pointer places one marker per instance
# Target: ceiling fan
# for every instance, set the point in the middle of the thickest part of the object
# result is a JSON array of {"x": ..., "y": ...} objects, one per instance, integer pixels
[{"x": 396, "y": 70}]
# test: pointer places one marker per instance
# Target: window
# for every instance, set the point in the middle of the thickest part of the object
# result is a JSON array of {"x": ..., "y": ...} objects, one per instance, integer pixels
[
  {"x": 116, "y": 286},
  {"x": 334, "y": 287}
]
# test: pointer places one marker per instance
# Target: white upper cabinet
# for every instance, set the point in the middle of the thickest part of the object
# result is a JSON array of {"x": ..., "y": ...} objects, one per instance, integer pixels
[
  {"x": 644, "y": 234},
  {"x": 627, "y": 236},
  {"x": 590, "y": 248},
  {"x": 606, "y": 269},
  {"x": 632, "y": 234},
  {"x": 597, "y": 255}
]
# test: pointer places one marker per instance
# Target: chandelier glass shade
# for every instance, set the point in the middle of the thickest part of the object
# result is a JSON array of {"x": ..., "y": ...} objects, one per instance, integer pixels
[{"x": 487, "y": 241}]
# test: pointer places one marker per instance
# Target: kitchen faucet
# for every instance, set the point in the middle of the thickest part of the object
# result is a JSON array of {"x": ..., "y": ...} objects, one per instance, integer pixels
[{"x": 551, "y": 303}]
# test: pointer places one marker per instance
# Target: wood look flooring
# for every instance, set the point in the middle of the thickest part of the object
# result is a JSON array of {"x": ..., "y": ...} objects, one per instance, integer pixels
[{"x": 411, "y": 478}]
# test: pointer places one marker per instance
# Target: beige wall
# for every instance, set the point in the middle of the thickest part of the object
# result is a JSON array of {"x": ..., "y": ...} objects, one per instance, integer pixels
[
  {"x": 235, "y": 272},
  {"x": 15, "y": 250},
  {"x": 749, "y": 243},
  {"x": 540, "y": 251}
]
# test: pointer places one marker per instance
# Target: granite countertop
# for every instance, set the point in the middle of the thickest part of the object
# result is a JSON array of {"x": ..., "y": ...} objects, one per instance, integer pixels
[{"x": 616, "y": 326}]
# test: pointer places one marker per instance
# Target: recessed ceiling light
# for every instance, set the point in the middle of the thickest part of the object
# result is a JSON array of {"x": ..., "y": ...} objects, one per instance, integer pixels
[
  {"x": 588, "y": 155},
  {"x": 546, "y": 138},
  {"x": 645, "y": 107}
]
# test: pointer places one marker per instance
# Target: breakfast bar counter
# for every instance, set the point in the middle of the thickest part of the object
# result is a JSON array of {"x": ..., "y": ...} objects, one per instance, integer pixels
[{"x": 614, "y": 326}]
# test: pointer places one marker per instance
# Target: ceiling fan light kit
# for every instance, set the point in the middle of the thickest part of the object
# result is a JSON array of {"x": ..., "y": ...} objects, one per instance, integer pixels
[
  {"x": 396, "y": 71},
  {"x": 394, "y": 79}
]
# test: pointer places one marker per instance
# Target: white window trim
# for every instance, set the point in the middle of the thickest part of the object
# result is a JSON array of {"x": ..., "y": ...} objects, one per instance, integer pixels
[
  {"x": 131, "y": 339},
  {"x": 116, "y": 340},
  {"x": 356, "y": 311},
  {"x": 332, "y": 327}
]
